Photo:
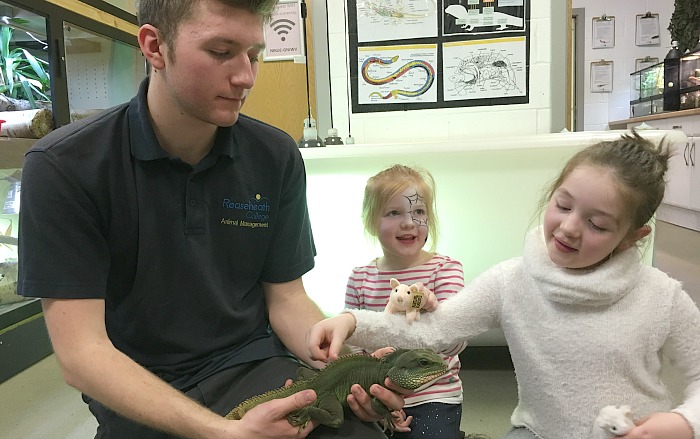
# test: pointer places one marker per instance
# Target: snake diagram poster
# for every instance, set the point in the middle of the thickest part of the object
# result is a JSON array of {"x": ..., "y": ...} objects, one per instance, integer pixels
[
  {"x": 410, "y": 65},
  {"x": 418, "y": 54}
]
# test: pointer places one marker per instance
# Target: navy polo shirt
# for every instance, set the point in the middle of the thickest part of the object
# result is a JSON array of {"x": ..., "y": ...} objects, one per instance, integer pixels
[{"x": 178, "y": 252}]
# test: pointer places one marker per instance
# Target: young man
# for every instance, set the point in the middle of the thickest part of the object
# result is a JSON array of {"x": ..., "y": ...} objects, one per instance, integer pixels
[{"x": 167, "y": 238}]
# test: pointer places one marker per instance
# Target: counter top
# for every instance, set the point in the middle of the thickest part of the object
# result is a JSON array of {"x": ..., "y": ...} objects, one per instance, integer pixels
[
  {"x": 622, "y": 124},
  {"x": 536, "y": 141}
]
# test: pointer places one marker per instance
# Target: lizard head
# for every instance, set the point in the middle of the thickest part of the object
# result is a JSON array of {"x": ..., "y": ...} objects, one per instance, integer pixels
[{"x": 414, "y": 367}]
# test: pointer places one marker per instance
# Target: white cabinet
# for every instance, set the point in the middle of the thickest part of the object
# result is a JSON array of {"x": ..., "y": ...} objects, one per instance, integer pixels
[
  {"x": 694, "y": 155},
  {"x": 681, "y": 203},
  {"x": 683, "y": 176},
  {"x": 683, "y": 188}
]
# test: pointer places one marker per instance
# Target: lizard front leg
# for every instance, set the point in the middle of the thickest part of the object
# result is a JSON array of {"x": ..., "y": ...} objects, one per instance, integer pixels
[
  {"x": 327, "y": 410},
  {"x": 384, "y": 411}
]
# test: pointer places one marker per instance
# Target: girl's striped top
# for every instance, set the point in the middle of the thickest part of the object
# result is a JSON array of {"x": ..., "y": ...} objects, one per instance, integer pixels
[{"x": 369, "y": 288}]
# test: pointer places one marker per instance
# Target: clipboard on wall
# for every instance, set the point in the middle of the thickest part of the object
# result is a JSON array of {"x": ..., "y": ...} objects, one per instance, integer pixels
[
  {"x": 643, "y": 63},
  {"x": 601, "y": 76},
  {"x": 603, "y": 32},
  {"x": 647, "y": 31}
]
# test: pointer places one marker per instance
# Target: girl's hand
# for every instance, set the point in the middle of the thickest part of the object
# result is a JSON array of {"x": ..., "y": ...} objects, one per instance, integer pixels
[
  {"x": 325, "y": 339},
  {"x": 661, "y": 426},
  {"x": 381, "y": 352},
  {"x": 401, "y": 421},
  {"x": 431, "y": 302}
]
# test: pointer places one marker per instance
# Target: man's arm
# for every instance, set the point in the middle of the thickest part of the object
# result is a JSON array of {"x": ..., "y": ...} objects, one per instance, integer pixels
[
  {"x": 90, "y": 363},
  {"x": 292, "y": 314}
]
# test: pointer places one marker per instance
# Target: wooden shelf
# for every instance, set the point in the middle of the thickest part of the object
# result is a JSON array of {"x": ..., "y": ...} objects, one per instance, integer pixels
[{"x": 622, "y": 124}]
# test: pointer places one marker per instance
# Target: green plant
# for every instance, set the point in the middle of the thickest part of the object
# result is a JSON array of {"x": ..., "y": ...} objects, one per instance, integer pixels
[
  {"x": 23, "y": 76},
  {"x": 685, "y": 24}
]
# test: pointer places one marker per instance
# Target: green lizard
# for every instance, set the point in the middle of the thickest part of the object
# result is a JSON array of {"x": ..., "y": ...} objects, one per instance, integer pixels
[{"x": 409, "y": 369}]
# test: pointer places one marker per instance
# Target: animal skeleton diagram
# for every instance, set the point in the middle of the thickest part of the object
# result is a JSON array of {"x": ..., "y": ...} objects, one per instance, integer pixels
[
  {"x": 483, "y": 17},
  {"x": 430, "y": 76},
  {"x": 427, "y": 54}
]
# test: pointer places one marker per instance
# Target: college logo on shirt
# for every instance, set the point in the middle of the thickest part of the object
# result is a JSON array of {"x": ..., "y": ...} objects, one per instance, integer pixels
[{"x": 253, "y": 213}]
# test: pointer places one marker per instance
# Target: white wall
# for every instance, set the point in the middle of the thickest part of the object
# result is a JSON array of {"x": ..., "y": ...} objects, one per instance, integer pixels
[
  {"x": 486, "y": 202},
  {"x": 486, "y": 194},
  {"x": 451, "y": 123},
  {"x": 601, "y": 108}
]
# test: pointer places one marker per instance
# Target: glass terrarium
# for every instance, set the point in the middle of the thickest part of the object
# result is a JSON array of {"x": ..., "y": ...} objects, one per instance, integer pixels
[
  {"x": 9, "y": 216},
  {"x": 635, "y": 85},
  {"x": 101, "y": 71},
  {"x": 651, "y": 81},
  {"x": 25, "y": 82},
  {"x": 646, "y": 90},
  {"x": 690, "y": 80}
]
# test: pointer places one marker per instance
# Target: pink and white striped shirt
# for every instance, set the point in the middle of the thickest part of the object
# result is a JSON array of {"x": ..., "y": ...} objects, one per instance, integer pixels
[{"x": 369, "y": 288}]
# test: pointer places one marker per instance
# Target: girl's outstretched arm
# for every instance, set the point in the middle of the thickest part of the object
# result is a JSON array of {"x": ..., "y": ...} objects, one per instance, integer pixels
[
  {"x": 326, "y": 337},
  {"x": 661, "y": 426},
  {"x": 473, "y": 310}
]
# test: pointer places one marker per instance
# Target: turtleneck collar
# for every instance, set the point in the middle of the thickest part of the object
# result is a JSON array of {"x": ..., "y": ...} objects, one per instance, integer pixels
[{"x": 602, "y": 285}]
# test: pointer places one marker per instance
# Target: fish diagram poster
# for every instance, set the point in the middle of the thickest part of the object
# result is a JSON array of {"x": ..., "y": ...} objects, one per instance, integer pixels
[{"x": 418, "y": 54}]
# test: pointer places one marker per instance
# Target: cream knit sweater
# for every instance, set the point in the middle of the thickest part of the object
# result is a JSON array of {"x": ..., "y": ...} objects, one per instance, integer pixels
[{"x": 579, "y": 339}]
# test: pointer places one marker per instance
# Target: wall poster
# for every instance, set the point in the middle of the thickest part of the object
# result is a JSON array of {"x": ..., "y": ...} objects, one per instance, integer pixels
[
  {"x": 421, "y": 54},
  {"x": 284, "y": 36}
]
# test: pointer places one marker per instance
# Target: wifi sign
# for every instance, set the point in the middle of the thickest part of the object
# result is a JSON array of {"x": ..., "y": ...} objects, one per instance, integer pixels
[{"x": 282, "y": 27}]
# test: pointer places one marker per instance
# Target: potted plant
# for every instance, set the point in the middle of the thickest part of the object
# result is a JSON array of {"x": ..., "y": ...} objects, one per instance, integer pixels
[{"x": 685, "y": 24}]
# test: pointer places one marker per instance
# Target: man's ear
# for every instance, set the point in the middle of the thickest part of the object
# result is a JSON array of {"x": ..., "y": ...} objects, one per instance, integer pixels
[
  {"x": 152, "y": 46},
  {"x": 635, "y": 236}
]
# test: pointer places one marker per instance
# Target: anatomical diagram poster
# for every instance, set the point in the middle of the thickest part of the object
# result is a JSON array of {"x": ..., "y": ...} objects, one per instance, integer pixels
[{"x": 418, "y": 54}]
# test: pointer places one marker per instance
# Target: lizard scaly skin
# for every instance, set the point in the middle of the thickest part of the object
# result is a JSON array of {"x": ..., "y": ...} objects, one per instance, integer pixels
[{"x": 409, "y": 369}]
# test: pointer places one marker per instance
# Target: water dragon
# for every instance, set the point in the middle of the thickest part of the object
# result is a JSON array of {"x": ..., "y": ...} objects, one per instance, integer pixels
[{"x": 407, "y": 368}]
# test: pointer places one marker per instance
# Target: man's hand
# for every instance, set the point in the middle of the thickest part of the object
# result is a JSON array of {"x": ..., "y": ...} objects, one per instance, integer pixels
[
  {"x": 661, "y": 426},
  {"x": 325, "y": 339},
  {"x": 269, "y": 420}
]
